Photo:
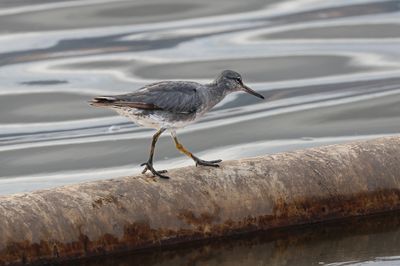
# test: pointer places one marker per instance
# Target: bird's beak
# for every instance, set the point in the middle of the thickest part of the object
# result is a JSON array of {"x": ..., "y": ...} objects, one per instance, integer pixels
[{"x": 248, "y": 90}]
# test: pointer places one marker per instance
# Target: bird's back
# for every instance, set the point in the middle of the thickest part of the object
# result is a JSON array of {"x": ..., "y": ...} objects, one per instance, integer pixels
[{"x": 179, "y": 97}]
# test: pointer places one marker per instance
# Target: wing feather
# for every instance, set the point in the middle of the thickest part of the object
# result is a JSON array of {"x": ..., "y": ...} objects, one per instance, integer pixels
[{"x": 172, "y": 96}]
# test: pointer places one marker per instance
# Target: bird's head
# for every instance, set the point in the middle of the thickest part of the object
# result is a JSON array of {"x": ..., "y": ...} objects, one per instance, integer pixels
[{"x": 232, "y": 81}]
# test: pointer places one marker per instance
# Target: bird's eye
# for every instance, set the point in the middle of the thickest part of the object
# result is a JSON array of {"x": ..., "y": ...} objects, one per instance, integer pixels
[{"x": 239, "y": 80}]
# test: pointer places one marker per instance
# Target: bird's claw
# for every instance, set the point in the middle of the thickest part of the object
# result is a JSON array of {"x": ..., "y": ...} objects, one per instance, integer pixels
[
  {"x": 149, "y": 167},
  {"x": 213, "y": 163}
]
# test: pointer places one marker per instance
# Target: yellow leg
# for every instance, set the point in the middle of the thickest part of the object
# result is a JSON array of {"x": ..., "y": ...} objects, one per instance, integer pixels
[
  {"x": 181, "y": 148},
  {"x": 198, "y": 161}
]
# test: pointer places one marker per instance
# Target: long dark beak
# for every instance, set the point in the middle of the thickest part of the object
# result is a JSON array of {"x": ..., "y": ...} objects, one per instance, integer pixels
[{"x": 248, "y": 90}]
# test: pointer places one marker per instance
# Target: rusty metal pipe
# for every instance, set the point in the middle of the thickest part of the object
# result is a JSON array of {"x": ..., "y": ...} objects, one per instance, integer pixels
[{"x": 245, "y": 195}]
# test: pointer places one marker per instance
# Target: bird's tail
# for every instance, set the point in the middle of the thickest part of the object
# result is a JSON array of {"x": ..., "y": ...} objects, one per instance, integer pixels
[{"x": 103, "y": 101}]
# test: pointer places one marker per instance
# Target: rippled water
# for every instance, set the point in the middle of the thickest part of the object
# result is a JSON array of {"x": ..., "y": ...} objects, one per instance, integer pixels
[{"x": 330, "y": 71}]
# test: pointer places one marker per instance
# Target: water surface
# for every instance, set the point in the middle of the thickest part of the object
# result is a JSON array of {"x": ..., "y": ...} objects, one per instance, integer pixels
[{"x": 329, "y": 71}]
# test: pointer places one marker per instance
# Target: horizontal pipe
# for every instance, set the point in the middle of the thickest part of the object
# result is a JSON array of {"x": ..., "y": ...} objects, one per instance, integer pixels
[{"x": 245, "y": 195}]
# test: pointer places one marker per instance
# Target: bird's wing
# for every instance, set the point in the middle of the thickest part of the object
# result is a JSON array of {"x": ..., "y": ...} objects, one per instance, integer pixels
[{"x": 172, "y": 96}]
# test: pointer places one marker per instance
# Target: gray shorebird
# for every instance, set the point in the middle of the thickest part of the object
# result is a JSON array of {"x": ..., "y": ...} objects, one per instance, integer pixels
[{"x": 170, "y": 105}]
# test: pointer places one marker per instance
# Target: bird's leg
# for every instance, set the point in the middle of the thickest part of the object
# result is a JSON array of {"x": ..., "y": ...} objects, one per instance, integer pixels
[
  {"x": 197, "y": 160},
  {"x": 149, "y": 163}
]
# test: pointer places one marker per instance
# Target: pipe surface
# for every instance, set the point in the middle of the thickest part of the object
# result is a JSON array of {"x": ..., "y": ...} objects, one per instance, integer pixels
[{"x": 260, "y": 193}]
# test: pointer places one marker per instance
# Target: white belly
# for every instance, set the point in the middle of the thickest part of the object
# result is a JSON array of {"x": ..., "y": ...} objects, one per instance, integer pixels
[{"x": 153, "y": 119}]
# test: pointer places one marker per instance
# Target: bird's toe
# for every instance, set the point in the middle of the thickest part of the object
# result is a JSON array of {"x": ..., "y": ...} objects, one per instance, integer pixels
[
  {"x": 149, "y": 167},
  {"x": 213, "y": 163}
]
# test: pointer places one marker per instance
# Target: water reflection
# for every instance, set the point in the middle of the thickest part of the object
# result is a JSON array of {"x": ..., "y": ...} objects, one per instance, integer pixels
[
  {"x": 71, "y": 14},
  {"x": 358, "y": 241},
  {"x": 266, "y": 69},
  {"x": 370, "y": 32}
]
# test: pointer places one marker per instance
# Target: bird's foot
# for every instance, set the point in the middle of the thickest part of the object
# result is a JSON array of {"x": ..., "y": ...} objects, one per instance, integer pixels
[
  {"x": 149, "y": 167},
  {"x": 213, "y": 163}
]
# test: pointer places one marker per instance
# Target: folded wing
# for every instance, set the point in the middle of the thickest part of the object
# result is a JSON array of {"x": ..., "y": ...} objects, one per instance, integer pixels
[{"x": 171, "y": 96}]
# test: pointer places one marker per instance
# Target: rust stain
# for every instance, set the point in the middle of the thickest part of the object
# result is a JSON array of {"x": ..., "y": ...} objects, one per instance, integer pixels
[
  {"x": 140, "y": 235},
  {"x": 300, "y": 211},
  {"x": 203, "y": 222},
  {"x": 109, "y": 199}
]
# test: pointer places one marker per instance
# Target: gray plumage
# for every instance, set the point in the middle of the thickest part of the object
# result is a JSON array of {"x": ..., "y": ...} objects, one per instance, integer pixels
[
  {"x": 168, "y": 101},
  {"x": 172, "y": 105},
  {"x": 171, "y": 96}
]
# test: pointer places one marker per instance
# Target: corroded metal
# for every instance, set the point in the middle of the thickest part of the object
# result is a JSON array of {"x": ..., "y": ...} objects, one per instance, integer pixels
[{"x": 242, "y": 196}]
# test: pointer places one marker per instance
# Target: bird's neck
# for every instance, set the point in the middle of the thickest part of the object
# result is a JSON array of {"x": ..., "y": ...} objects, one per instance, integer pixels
[{"x": 214, "y": 95}]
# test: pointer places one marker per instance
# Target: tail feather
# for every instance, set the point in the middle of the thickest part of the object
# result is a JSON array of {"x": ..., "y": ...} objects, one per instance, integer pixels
[{"x": 111, "y": 101}]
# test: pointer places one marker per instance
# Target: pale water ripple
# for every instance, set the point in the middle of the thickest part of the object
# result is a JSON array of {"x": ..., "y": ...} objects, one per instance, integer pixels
[{"x": 327, "y": 68}]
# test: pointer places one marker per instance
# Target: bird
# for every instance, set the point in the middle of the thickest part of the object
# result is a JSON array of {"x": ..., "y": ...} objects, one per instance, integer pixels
[{"x": 171, "y": 105}]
